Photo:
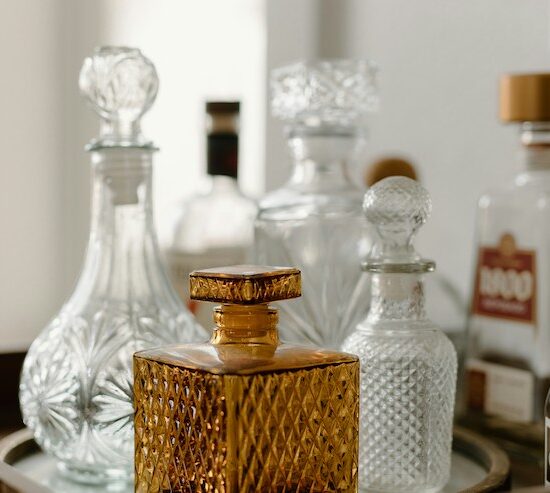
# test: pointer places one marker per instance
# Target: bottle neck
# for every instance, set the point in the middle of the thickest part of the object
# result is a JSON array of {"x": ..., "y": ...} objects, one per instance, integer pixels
[
  {"x": 220, "y": 184},
  {"x": 122, "y": 259},
  {"x": 321, "y": 158},
  {"x": 246, "y": 325},
  {"x": 535, "y": 138},
  {"x": 396, "y": 297}
]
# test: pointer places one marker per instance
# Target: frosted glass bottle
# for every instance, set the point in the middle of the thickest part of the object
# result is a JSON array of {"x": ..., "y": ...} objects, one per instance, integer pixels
[
  {"x": 314, "y": 221},
  {"x": 214, "y": 227},
  {"x": 76, "y": 384},
  {"x": 408, "y": 365}
]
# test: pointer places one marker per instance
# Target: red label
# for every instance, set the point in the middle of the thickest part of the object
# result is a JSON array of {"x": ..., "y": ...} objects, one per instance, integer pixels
[{"x": 505, "y": 284}]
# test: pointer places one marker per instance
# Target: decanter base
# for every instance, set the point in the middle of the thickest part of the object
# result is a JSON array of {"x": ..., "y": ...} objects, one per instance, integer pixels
[{"x": 112, "y": 478}]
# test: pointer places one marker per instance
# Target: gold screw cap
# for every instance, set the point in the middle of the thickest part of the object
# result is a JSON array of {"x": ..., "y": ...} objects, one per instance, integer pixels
[
  {"x": 525, "y": 97},
  {"x": 245, "y": 284}
]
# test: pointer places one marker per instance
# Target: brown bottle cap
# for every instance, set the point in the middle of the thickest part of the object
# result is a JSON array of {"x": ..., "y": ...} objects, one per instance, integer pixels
[
  {"x": 245, "y": 284},
  {"x": 525, "y": 97},
  {"x": 390, "y": 166}
]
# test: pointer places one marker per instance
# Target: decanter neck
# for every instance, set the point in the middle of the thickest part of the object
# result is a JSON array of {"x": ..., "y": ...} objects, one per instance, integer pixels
[
  {"x": 322, "y": 156},
  {"x": 535, "y": 138},
  {"x": 396, "y": 297},
  {"x": 122, "y": 259},
  {"x": 253, "y": 325},
  {"x": 121, "y": 191}
]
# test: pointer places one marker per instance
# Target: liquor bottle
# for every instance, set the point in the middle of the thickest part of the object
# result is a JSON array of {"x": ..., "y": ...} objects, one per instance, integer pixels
[
  {"x": 408, "y": 365},
  {"x": 507, "y": 366},
  {"x": 444, "y": 301},
  {"x": 314, "y": 221},
  {"x": 245, "y": 412},
  {"x": 76, "y": 384},
  {"x": 214, "y": 227}
]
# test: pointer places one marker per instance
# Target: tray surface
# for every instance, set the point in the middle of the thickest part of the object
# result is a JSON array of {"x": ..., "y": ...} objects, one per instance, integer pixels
[{"x": 477, "y": 465}]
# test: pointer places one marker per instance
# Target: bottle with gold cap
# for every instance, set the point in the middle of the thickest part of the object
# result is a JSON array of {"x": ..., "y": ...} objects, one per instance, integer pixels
[
  {"x": 245, "y": 412},
  {"x": 508, "y": 368}
]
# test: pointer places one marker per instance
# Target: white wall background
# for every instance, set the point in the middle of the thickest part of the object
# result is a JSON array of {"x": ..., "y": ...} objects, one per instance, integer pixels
[{"x": 440, "y": 61}]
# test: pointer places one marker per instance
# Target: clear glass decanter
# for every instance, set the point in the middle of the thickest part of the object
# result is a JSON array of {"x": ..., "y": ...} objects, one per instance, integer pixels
[
  {"x": 76, "y": 383},
  {"x": 408, "y": 365},
  {"x": 444, "y": 301},
  {"x": 214, "y": 226},
  {"x": 314, "y": 221}
]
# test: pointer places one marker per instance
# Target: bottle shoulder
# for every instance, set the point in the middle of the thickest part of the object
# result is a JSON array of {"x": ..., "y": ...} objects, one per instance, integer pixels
[
  {"x": 290, "y": 203},
  {"x": 246, "y": 359},
  {"x": 416, "y": 339}
]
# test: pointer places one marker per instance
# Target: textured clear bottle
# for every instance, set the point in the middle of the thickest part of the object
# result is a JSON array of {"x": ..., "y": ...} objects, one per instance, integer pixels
[
  {"x": 408, "y": 366},
  {"x": 76, "y": 384},
  {"x": 314, "y": 221},
  {"x": 214, "y": 227},
  {"x": 245, "y": 413},
  {"x": 507, "y": 366}
]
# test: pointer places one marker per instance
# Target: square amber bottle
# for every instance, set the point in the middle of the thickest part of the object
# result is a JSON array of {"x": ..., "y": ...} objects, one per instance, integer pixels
[{"x": 245, "y": 413}]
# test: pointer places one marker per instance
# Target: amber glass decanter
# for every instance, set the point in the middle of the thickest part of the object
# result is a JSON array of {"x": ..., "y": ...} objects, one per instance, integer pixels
[
  {"x": 314, "y": 221},
  {"x": 408, "y": 365},
  {"x": 76, "y": 384},
  {"x": 245, "y": 413}
]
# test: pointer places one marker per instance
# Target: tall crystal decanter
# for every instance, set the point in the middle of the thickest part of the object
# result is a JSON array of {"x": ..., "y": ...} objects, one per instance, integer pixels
[
  {"x": 408, "y": 365},
  {"x": 314, "y": 221},
  {"x": 76, "y": 384}
]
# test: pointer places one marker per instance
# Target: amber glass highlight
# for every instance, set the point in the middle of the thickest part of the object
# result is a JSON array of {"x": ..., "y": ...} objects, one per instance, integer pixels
[{"x": 246, "y": 413}]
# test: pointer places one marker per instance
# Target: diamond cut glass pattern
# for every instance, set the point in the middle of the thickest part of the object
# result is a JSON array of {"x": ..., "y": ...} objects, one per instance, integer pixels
[
  {"x": 245, "y": 413},
  {"x": 408, "y": 366}
]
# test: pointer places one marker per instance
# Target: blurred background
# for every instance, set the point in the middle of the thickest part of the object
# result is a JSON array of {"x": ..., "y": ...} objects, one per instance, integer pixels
[{"x": 439, "y": 66}]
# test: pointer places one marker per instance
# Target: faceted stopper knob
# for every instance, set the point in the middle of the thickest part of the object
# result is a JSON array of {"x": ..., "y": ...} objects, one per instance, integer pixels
[
  {"x": 121, "y": 85},
  {"x": 245, "y": 284},
  {"x": 332, "y": 92},
  {"x": 397, "y": 207}
]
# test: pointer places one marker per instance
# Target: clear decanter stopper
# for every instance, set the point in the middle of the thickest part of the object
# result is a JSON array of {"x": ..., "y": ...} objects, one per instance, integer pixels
[
  {"x": 121, "y": 85},
  {"x": 397, "y": 207},
  {"x": 329, "y": 92}
]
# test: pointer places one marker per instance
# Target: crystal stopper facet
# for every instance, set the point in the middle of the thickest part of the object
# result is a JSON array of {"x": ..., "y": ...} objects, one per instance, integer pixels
[
  {"x": 121, "y": 85},
  {"x": 333, "y": 92},
  {"x": 397, "y": 207}
]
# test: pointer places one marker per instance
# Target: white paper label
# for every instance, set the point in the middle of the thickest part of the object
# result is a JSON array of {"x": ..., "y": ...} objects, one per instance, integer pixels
[{"x": 501, "y": 390}]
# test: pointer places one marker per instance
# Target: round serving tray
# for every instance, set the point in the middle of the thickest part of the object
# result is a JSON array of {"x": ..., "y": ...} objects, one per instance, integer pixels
[{"x": 478, "y": 465}]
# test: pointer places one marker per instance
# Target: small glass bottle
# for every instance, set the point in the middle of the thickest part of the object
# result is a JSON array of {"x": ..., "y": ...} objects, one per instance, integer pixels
[
  {"x": 214, "y": 227},
  {"x": 444, "y": 301},
  {"x": 408, "y": 365},
  {"x": 507, "y": 366},
  {"x": 76, "y": 384},
  {"x": 314, "y": 221},
  {"x": 245, "y": 412}
]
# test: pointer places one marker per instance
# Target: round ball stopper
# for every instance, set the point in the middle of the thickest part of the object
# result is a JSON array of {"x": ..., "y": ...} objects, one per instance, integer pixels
[
  {"x": 397, "y": 207},
  {"x": 120, "y": 83}
]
